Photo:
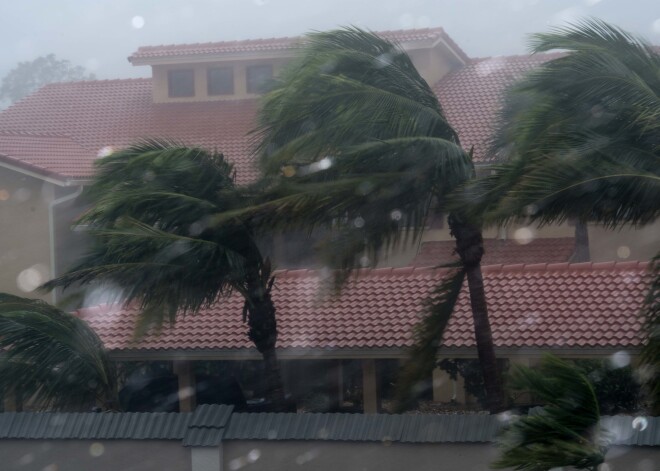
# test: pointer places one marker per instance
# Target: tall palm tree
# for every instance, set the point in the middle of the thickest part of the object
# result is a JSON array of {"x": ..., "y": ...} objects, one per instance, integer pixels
[
  {"x": 565, "y": 433},
  {"x": 53, "y": 358},
  {"x": 580, "y": 134},
  {"x": 151, "y": 207},
  {"x": 352, "y": 138},
  {"x": 582, "y": 138}
]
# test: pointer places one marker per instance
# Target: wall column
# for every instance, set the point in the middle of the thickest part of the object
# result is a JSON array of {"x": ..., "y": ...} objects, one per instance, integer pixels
[
  {"x": 369, "y": 386},
  {"x": 521, "y": 397},
  {"x": 187, "y": 386},
  {"x": 443, "y": 386},
  {"x": 336, "y": 382},
  {"x": 206, "y": 458}
]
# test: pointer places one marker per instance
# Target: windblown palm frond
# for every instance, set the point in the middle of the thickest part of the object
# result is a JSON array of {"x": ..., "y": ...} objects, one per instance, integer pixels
[
  {"x": 428, "y": 334},
  {"x": 581, "y": 134},
  {"x": 152, "y": 203},
  {"x": 155, "y": 247},
  {"x": 353, "y": 138},
  {"x": 51, "y": 358},
  {"x": 565, "y": 432}
]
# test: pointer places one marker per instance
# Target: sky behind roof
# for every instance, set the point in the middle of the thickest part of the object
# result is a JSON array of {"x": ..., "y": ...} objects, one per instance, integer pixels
[{"x": 101, "y": 34}]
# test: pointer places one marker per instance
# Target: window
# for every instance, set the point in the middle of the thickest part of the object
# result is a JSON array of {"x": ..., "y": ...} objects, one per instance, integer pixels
[
  {"x": 181, "y": 82},
  {"x": 257, "y": 77},
  {"x": 220, "y": 81}
]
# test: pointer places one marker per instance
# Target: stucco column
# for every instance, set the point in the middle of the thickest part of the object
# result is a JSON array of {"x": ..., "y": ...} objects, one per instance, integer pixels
[
  {"x": 369, "y": 386},
  {"x": 187, "y": 387},
  {"x": 336, "y": 382},
  {"x": 443, "y": 386}
]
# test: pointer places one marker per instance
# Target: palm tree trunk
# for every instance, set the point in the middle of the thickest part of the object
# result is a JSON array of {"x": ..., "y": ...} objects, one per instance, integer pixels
[
  {"x": 470, "y": 248},
  {"x": 263, "y": 332}
]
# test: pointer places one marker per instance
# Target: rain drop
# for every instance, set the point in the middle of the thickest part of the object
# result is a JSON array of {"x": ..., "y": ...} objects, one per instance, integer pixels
[
  {"x": 137, "y": 22},
  {"x": 523, "y": 236},
  {"x": 364, "y": 261},
  {"x": 396, "y": 215},
  {"x": 358, "y": 222},
  {"x": 623, "y": 252},
  {"x": 29, "y": 279},
  {"x": 96, "y": 449},
  {"x": 656, "y": 26},
  {"x": 105, "y": 151},
  {"x": 288, "y": 171},
  {"x": 22, "y": 195},
  {"x": 620, "y": 359},
  {"x": 253, "y": 455},
  {"x": 640, "y": 423}
]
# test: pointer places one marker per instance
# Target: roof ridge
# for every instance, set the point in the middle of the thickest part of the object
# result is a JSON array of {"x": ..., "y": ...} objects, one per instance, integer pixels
[
  {"x": 517, "y": 56},
  {"x": 565, "y": 266}
]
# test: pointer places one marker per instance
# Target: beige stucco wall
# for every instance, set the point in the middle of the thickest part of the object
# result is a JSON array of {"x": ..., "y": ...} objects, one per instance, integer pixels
[
  {"x": 160, "y": 88},
  {"x": 87, "y": 455},
  {"x": 386, "y": 456},
  {"x": 24, "y": 237}
]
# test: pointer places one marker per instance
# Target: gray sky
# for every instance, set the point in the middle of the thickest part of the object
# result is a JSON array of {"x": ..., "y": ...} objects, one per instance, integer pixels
[{"x": 100, "y": 34}]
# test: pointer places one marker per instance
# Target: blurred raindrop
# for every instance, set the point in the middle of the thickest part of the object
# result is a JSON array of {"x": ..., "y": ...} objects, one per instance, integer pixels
[
  {"x": 148, "y": 176},
  {"x": 640, "y": 423},
  {"x": 29, "y": 279},
  {"x": 364, "y": 261},
  {"x": 307, "y": 456},
  {"x": 383, "y": 60},
  {"x": 656, "y": 26},
  {"x": 523, "y": 235},
  {"x": 623, "y": 252},
  {"x": 592, "y": 2},
  {"x": 387, "y": 440},
  {"x": 96, "y": 449},
  {"x": 407, "y": 21},
  {"x": 288, "y": 171},
  {"x": 604, "y": 467},
  {"x": 365, "y": 188},
  {"x": 50, "y": 467},
  {"x": 26, "y": 459},
  {"x": 237, "y": 463},
  {"x": 358, "y": 222},
  {"x": 271, "y": 435},
  {"x": 137, "y": 22},
  {"x": 253, "y": 455},
  {"x": 21, "y": 195},
  {"x": 105, "y": 151},
  {"x": 4, "y": 194},
  {"x": 396, "y": 215},
  {"x": 620, "y": 359},
  {"x": 186, "y": 392}
]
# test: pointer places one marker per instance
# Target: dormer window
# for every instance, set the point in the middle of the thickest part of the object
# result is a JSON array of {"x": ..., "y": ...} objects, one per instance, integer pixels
[
  {"x": 258, "y": 76},
  {"x": 181, "y": 83},
  {"x": 220, "y": 81}
]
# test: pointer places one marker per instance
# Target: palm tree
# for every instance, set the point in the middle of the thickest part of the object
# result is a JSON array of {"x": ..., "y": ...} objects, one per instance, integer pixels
[
  {"x": 565, "y": 432},
  {"x": 150, "y": 218},
  {"x": 582, "y": 138},
  {"x": 353, "y": 139},
  {"x": 580, "y": 134},
  {"x": 53, "y": 358}
]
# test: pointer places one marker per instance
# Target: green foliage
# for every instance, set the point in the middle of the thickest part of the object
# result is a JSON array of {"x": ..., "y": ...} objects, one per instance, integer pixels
[
  {"x": 52, "y": 357},
  {"x": 579, "y": 134},
  {"x": 352, "y": 138},
  {"x": 438, "y": 308},
  {"x": 565, "y": 432},
  {"x": 27, "y": 77},
  {"x": 471, "y": 372},
  {"x": 616, "y": 389},
  {"x": 152, "y": 203}
]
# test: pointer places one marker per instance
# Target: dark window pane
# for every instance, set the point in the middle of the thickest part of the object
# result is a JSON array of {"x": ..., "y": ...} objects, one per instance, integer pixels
[
  {"x": 181, "y": 82},
  {"x": 257, "y": 77},
  {"x": 220, "y": 81}
]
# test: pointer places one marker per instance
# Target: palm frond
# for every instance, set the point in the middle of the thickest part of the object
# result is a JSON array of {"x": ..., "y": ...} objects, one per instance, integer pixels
[
  {"x": 352, "y": 133},
  {"x": 565, "y": 432},
  {"x": 423, "y": 357},
  {"x": 580, "y": 134},
  {"x": 152, "y": 238},
  {"x": 52, "y": 358}
]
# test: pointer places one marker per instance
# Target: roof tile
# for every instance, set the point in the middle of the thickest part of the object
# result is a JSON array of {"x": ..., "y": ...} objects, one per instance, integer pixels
[{"x": 528, "y": 306}]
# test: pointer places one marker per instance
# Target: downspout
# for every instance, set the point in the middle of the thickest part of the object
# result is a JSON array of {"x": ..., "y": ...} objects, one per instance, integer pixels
[{"x": 51, "y": 230}]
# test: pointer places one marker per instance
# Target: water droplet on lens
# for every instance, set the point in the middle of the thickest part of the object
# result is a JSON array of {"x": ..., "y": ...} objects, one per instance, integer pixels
[
  {"x": 623, "y": 252},
  {"x": 358, "y": 222},
  {"x": 96, "y": 449},
  {"x": 396, "y": 215},
  {"x": 620, "y": 359},
  {"x": 137, "y": 22},
  {"x": 640, "y": 423},
  {"x": 523, "y": 236}
]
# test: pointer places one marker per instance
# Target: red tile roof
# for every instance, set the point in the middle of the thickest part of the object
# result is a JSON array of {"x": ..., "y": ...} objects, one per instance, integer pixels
[
  {"x": 62, "y": 127},
  {"x": 546, "y": 250},
  {"x": 276, "y": 44},
  {"x": 471, "y": 96},
  {"x": 570, "y": 306}
]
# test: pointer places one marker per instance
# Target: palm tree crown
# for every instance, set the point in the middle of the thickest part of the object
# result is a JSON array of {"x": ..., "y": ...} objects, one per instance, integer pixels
[{"x": 152, "y": 204}]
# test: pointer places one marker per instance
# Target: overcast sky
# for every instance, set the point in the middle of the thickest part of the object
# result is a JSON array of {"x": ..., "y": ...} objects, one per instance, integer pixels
[{"x": 100, "y": 34}]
